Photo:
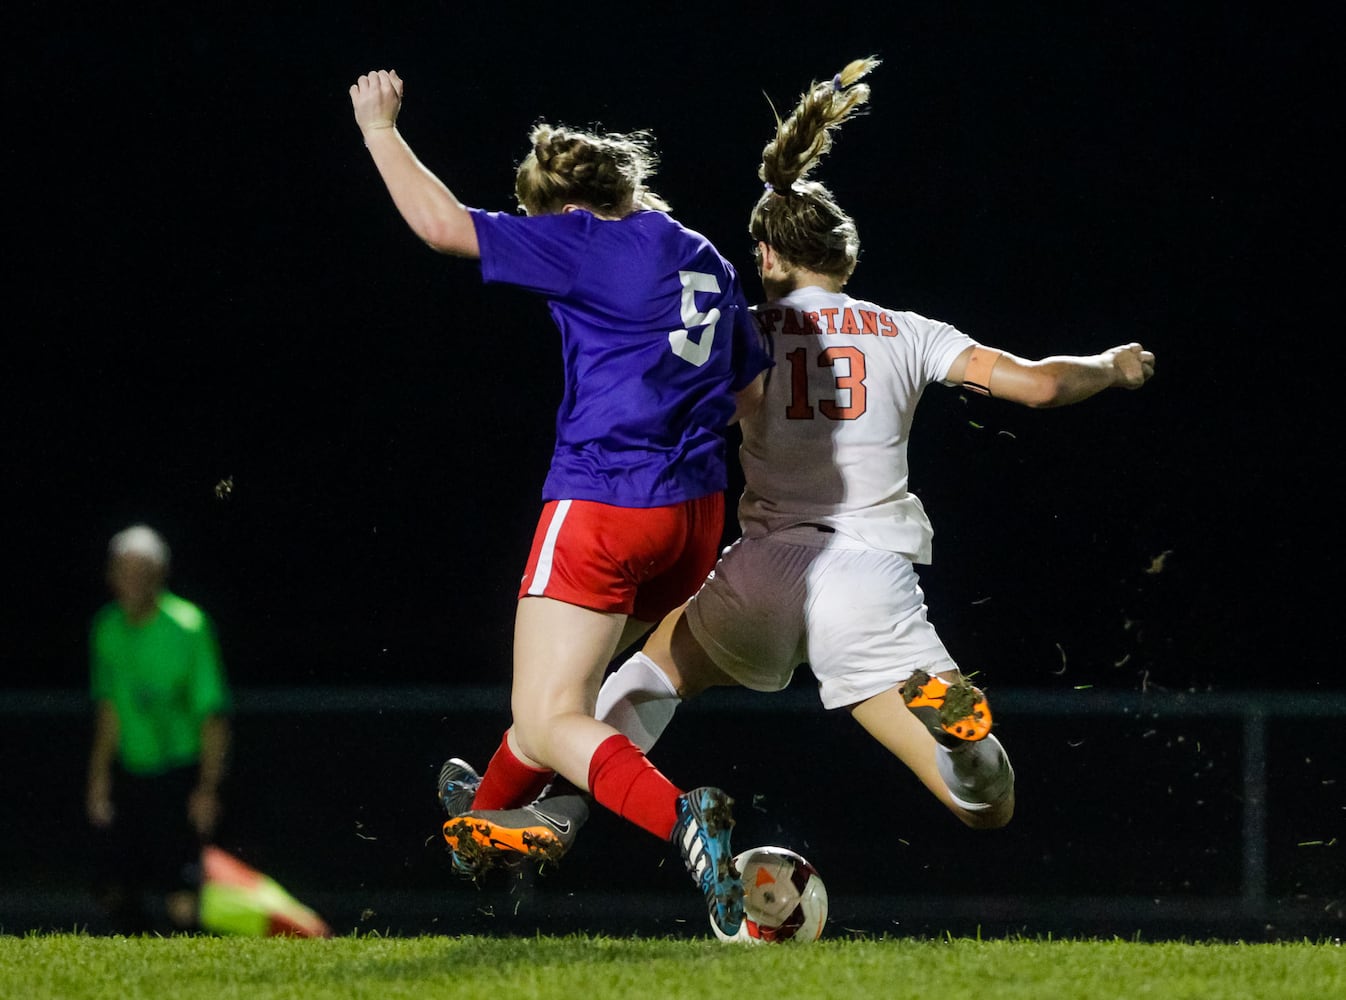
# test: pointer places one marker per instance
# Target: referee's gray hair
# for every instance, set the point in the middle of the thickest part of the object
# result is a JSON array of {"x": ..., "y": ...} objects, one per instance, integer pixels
[{"x": 140, "y": 540}]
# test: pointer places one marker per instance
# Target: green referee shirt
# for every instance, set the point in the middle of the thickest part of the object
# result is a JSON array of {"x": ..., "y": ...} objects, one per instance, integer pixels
[{"x": 163, "y": 679}]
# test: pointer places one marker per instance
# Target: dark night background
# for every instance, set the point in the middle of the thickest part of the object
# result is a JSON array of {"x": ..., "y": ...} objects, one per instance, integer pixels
[{"x": 207, "y": 284}]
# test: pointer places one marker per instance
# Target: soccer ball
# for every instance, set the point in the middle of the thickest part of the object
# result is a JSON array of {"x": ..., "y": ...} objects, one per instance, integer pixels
[{"x": 784, "y": 898}]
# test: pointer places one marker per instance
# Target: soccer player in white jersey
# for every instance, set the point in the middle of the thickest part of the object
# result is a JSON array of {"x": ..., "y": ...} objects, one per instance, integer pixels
[{"x": 824, "y": 573}]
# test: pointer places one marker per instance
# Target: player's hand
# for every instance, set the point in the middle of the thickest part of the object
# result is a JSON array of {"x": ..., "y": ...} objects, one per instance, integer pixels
[
  {"x": 377, "y": 98},
  {"x": 1132, "y": 364}
]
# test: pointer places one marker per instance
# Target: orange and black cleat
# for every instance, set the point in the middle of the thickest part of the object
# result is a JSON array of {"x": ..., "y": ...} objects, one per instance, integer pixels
[
  {"x": 954, "y": 713},
  {"x": 542, "y": 832}
]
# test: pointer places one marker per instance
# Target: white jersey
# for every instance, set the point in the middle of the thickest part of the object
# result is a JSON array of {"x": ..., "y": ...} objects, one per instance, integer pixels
[{"x": 829, "y": 443}]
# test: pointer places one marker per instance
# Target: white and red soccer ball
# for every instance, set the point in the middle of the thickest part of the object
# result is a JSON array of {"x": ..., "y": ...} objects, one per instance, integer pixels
[{"x": 784, "y": 898}]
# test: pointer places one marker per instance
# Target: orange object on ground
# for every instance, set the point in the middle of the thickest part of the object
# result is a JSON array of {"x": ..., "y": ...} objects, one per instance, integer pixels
[{"x": 237, "y": 899}]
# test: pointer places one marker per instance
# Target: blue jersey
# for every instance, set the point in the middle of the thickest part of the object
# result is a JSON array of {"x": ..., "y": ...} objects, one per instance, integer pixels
[{"x": 656, "y": 338}]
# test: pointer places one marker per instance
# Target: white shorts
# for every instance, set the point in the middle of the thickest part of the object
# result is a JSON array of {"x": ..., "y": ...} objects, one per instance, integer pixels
[{"x": 854, "y": 615}]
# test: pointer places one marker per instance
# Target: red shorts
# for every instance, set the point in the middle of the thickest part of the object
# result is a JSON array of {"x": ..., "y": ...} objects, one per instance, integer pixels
[{"x": 638, "y": 561}]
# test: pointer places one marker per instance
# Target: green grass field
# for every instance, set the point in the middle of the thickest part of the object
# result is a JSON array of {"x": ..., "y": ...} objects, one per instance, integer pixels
[{"x": 75, "y": 967}]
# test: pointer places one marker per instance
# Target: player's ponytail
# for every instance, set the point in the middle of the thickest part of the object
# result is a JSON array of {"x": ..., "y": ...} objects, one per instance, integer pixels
[{"x": 796, "y": 216}]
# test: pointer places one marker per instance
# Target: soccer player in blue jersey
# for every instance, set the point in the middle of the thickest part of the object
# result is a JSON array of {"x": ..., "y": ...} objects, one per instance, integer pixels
[{"x": 661, "y": 356}]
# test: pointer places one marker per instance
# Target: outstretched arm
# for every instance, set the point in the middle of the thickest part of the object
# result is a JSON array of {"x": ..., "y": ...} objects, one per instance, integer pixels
[
  {"x": 428, "y": 206},
  {"x": 1055, "y": 381}
]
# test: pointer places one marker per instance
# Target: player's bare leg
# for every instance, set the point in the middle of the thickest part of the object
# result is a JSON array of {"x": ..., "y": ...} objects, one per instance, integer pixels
[
  {"x": 688, "y": 667},
  {"x": 638, "y": 700},
  {"x": 987, "y": 794},
  {"x": 560, "y": 652},
  {"x": 459, "y": 781}
]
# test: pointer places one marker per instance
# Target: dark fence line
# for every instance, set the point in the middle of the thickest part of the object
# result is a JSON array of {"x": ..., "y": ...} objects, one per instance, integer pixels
[
  {"x": 1158, "y": 813},
  {"x": 798, "y": 698}
]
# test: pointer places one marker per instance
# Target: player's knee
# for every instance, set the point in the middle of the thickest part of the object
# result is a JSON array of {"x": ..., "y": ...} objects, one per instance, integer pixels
[{"x": 530, "y": 746}]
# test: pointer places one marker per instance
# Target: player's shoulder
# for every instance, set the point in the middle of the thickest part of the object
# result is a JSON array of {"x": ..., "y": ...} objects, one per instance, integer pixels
[
  {"x": 183, "y": 613},
  {"x": 910, "y": 316},
  {"x": 919, "y": 324},
  {"x": 657, "y": 220},
  {"x": 674, "y": 243},
  {"x": 552, "y": 222},
  {"x": 661, "y": 226},
  {"x": 105, "y": 617},
  {"x": 813, "y": 299}
]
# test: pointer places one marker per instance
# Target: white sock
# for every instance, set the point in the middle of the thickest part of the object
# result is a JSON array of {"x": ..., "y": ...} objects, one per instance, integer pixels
[
  {"x": 977, "y": 774},
  {"x": 638, "y": 700}
]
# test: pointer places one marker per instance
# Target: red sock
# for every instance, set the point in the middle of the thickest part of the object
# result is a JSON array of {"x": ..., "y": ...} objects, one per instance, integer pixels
[
  {"x": 622, "y": 779},
  {"x": 508, "y": 782}
]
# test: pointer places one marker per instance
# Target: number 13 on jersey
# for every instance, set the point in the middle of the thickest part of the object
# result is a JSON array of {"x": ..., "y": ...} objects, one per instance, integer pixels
[{"x": 847, "y": 365}]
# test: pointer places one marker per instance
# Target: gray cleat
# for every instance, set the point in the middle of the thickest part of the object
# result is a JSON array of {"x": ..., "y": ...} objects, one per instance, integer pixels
[
  {"x": 542, "y": 831},
  {"x": 458, "y": 783}
]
